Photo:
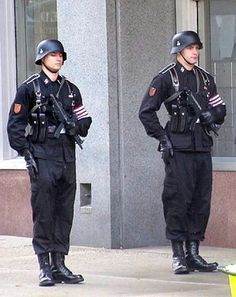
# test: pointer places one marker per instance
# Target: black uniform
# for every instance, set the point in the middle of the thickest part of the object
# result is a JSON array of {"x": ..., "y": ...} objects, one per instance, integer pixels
[
  {"x": 53, "y": 191},
  {"x": 188, "y": 181}
]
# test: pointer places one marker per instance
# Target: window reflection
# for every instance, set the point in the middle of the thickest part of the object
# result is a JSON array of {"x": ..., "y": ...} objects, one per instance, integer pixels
[
  {"x": 223, "y": 61},
  {"x": 35, "y": 20}
]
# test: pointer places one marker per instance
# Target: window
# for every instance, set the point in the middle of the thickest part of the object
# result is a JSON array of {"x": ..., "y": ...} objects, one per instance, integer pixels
[
  {"x": 36, "y": 20},
  {"x": 7, "y": 71},
  {"x": 223, "y": 66},
  {"x": 24, "y": 24}
]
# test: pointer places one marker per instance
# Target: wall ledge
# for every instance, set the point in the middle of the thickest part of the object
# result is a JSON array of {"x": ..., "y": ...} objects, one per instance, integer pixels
[
  {"x": 224, "y": 163},
  {"x": 13, "y": 164}
]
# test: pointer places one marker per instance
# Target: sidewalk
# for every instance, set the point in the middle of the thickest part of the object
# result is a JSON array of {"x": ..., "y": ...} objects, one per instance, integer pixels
[{"x": 133, "y": 272}]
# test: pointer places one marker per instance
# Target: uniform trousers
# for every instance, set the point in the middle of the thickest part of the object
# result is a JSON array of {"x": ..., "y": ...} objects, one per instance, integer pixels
[
  {"x": 187, "y": 195},
  {"x": 52, "y": 202}
]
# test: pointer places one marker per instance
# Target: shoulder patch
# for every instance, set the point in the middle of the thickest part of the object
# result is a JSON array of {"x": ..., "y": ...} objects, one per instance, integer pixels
[
  {"x": 31, "y": 78},
  {"x": 152, "y": 91},
  {"x": 17, "y": 108},
  {"x": 167, "y": 68}
]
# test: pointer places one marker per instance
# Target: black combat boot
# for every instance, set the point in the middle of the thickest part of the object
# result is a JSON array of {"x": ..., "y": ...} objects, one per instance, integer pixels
[
  {"x": 45, "y": 275},
  {"x": 61, "y": 274},
  {"x": 179, "y": 265},
  {"x": 195, "y": 261}
]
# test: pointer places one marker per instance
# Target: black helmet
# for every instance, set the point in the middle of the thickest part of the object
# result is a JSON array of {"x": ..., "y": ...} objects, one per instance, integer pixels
[
  {"x": 183, "y": 39},
  {"x": 48, "y": 46}
]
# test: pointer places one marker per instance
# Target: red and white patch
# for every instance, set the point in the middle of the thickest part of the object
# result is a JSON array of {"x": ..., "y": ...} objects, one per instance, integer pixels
[
  {"x": 17, "y": 107},
  {"x": 215, "y": 100},
  {"x": 80, "y": 112},
  {"x": 152, "y": 91}
]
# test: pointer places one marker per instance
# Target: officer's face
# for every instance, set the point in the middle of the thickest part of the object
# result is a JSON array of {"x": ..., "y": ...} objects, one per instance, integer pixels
[
  {"x": 53, "y": 61},
  {"x": 191, "y": 53}
]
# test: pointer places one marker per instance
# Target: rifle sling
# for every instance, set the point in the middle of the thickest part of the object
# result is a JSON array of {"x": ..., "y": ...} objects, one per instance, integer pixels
[
  {"x": 61, "y": 85},
  {"x": 173, "y": 97}
]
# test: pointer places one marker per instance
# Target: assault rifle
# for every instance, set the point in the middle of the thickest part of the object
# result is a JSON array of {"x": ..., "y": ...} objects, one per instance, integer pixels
[
  {"x": 192, "y": 101},
  {"x": 64, "y": 119}
]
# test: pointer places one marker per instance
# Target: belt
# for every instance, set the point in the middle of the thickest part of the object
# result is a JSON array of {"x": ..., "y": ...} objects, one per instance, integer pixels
[{"x": 52, "y": 129}]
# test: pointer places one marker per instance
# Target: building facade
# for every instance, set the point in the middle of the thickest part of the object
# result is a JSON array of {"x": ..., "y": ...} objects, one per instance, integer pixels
[{"x": 115, "y": 47}]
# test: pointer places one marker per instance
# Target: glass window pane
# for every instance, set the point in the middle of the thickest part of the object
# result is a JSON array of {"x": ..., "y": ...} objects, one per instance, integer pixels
[
  {"x": 223, "y": 62},
  {"x": 35, "y": 20}
]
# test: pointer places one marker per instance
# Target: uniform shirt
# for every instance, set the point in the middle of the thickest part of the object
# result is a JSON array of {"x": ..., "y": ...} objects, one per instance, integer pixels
[
  {"x": 20, "y": 117},
  {"x": 162, "y": 88}
]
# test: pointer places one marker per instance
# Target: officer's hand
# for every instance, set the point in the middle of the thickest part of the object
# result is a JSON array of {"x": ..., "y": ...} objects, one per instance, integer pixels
[
  {"x": 72, "y": 128},
  {"x": 166, "y": 148},
  {"x": 30, "y": 164},
  {"x": 206, "y": 118},
  {"x": 84, "y": 125}
]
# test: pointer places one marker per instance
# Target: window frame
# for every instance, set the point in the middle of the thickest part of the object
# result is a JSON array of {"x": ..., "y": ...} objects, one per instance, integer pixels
[
  {"x": 7, "y": 81},
  {"x": 9, "y": 78}
]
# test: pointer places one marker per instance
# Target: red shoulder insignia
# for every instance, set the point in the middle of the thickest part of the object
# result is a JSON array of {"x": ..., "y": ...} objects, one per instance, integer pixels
[
  {"x": 152, "y": 91},
  {"x": 17, "y": 107}
]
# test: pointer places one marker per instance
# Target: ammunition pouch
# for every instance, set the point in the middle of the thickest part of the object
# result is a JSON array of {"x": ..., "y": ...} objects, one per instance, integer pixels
[
  {"x": 179, "y": 119},
  {"x": 33, "y": 132},
  {"x": 39, "y": 124},
  {"x": 38, "y": 130}
]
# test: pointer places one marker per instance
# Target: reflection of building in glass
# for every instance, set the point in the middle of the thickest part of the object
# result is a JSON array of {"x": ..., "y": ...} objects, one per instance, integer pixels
[
  {"x": 223, "y": 29},
  {"x": 38, "y": 21},
  {"x": 223, "y": 55}
]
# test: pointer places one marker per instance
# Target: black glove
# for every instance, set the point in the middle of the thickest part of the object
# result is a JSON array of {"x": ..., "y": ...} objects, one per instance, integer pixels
[
  {"x": 206, "y": 118},
  {"x": 166, "y": 149},
  {"x": 72, "y": 128},
  {"x": 84, "y": 125},
  {"x": 30, "y": 164}
]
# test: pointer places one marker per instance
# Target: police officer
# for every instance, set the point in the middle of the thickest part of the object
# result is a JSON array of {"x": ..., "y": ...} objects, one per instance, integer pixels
[
  {"x": 195, "y": 110},
  {"x": 49, "y": 152}
]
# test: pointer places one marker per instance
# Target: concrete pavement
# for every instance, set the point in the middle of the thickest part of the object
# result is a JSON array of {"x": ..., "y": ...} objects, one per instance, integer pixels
[{"x": 110, "y": 273}]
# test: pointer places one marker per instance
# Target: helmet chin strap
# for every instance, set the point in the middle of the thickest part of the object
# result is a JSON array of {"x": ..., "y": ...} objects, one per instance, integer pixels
[
  {"x": 192, "y": 64},
  {"x": 49, "y": 69}
]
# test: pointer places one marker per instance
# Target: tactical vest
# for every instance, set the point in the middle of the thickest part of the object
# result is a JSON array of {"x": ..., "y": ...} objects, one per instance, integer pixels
[
  {"x": 39, "y": 125},
  {"x": 181, "y": 120}
]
